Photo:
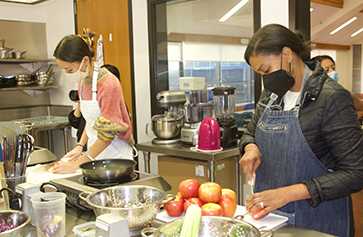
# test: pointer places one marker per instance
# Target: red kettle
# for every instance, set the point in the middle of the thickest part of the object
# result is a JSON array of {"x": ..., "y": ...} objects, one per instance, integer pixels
[{"x": 209, "y": 137}]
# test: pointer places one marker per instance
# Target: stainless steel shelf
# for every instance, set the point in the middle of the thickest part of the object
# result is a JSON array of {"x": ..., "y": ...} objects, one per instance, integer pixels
[
  {"x": 26, "y": 60},
  {"x": 21, "y": 88}
]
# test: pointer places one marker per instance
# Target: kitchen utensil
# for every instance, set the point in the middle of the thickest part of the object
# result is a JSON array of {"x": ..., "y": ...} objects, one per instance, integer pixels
[
  {"x": 209, "y": 137},
  {"x": 4, "y": 53},
  {"x": 23, "y": 79},
  {"x": 19, "y": 55},
  {"x": 138, "y": 204},
  {"x": 214, "y": 226},
  {"x": 18, "y": 155},
  {"x": 43, "y": 78},
  {"x": 108, "y": 169},
  {"x": 11, "y": 142},
  {"x": 165, "y": 126},
  {"x": 28, "y": 145},
  {"x": 2, "y": 41},
  {"x": 16, "y": 218},
  {"x": 9, "y": 82}
]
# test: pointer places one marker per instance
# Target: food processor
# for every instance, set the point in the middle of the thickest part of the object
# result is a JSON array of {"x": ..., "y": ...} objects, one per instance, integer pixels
[
  {"x": 166, "y": 127},
  {"x": 224, "y": 98},
  {"x": 196, "y": 109}
]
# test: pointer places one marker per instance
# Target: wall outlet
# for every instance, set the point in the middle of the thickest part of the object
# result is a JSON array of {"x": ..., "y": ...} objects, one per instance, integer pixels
[{"x": 199, "y": 170}]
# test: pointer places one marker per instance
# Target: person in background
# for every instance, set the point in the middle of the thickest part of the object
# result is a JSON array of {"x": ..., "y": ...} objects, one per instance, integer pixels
[
  {"x": 328, "y": 64},
  {"x": 75, "y": 117},
  {"x": 108, "y": 127},
  {"x": 304, "y": 144}
]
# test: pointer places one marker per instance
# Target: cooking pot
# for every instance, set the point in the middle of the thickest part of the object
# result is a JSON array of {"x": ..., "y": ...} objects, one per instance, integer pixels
[
  {"x": 107, "y": 170},
  {"x": 42, "y": 78},
  {"x": 5, "y": 53},
  {"x": 19, "y": 55},
  {"x": 210, "y": 226},
  {"x": 165, "y": 126},
  {"x": 23, "y": 79},
  {"x": 137, "y": 203},
  {"x": 2, "y": 46}
]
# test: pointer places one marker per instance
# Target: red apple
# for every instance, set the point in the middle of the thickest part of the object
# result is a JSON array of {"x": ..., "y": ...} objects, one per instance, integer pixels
[
  {"x": 229, "y": 193},
  {"x": 175, "y": 207},
  {"x": 189, "y": 188},
  {"x": 192, "y": 201},
  {"x": 212, "y": 209},
  {"x": 228, "y": 205},
  {"x": 210, "y": 192}
]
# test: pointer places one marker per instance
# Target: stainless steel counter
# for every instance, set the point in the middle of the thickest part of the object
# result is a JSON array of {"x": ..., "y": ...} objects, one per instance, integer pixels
[
  {"x": 184, "y": 151},
  {"x": 76, "y": 217}
]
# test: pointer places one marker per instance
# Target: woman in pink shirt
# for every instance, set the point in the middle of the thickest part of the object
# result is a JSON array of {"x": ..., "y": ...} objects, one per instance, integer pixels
[{"x": 108, "y": 127}]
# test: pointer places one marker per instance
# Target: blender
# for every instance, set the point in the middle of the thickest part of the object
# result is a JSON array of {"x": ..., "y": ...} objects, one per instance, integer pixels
[
  {"x": 224, "y": 98},
  {"x": 196, "y": 109},
  {"x": 166, "y": 127}
]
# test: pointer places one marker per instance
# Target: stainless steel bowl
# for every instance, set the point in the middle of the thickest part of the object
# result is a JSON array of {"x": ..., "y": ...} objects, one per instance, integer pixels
[
  {"x": 138, "y": 204},
  {"x": 42, "y": 78},
  {"x": 166, "y": 127},
  {"x": 210, "y": 226},
  {"x": 15, "y": 218}
]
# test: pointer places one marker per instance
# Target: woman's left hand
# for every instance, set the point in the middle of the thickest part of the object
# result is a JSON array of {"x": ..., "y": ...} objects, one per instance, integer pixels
[
  {"x": 62, "y": 167},
  {"x": 271, "y": 199}
]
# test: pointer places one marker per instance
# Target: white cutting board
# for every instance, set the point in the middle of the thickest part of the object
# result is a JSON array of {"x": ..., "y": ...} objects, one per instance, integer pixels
[
  {"x": 38, "y": 174},
  {"x": 270, "y": 222}
]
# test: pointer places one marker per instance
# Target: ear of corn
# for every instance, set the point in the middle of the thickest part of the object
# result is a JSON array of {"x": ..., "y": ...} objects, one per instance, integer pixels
[{"x": 192, "y": 221}]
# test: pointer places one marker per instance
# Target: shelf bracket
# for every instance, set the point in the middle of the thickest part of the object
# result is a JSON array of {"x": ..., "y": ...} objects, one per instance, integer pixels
[{"x": 34, "y": 93}]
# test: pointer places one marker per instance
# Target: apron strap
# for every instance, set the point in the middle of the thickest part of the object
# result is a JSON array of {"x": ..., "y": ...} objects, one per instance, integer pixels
[{"x": 94, "y": 81}]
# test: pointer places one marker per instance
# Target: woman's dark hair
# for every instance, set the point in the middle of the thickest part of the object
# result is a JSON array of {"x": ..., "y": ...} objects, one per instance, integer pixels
[
  {"x": 272, "y": 38},
  {"x": 322, "y": 57},
  {"x": 113, "y": 70},
  {"x": 73, "y": 48}
]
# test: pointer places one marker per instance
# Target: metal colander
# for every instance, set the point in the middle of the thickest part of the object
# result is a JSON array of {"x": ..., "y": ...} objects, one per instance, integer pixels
[
  {"x": 138, "y": 204},
  {"x": 210, "y": 226}
]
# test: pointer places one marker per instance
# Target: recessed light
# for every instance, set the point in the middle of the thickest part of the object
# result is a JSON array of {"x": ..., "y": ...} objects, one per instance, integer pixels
[
  {"x": 344, "y": 25},
  {"x": 357, "y": 32},
  {"x": 233, "y": 10}
]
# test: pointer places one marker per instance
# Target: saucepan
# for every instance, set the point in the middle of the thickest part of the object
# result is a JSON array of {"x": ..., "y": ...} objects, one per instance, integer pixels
[
  {"x": 108, "y": 169},
  {"x": 19, "y": 55}
]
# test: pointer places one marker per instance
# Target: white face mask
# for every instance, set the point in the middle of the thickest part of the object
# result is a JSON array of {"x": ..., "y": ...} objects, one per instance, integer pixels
[{"x": 78, "y": 75}]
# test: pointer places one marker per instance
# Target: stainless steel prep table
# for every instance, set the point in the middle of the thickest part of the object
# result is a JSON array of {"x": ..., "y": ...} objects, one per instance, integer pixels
[
  {"x": 76, "y": 217},
  {"x": 184, "y": 151}
]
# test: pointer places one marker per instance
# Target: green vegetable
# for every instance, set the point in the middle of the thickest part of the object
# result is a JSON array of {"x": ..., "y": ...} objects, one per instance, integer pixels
[
  {"x": 172, "y": 229},
  {"x": 192, "y": 221}
]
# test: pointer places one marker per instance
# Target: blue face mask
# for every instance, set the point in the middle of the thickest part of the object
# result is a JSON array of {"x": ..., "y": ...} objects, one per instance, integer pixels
[{"x": 334, "y": 75}]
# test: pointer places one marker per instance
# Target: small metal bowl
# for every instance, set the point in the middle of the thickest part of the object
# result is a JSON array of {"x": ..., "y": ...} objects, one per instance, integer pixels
[{"x": 15, "y": 218}]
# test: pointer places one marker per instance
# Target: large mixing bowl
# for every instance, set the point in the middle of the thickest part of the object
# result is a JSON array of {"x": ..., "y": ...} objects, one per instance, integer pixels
[
  {"x": 210, "y": 226},
  {"x": 138, "y": 204},
  {"x": 15, "y": 218},
  {"x": 166, "y": 127}
]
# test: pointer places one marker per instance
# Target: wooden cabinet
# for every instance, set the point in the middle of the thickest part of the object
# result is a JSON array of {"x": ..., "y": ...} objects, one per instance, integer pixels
[{"x": 110, "y": 18}]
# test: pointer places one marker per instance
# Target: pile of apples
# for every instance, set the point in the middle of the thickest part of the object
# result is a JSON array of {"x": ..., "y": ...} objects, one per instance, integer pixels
[{"x": 209, "y": 196}]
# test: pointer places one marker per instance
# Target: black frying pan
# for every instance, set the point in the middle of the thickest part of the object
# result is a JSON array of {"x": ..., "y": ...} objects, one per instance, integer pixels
[{"x": 108, "y": 169}]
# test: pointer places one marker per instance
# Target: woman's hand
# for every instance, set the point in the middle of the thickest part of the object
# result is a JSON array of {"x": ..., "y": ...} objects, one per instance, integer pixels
[
  {"x": 250, "y": 161},
  {"x": 275, "y": 198},
  {"x": 72, "y": 155},
  {"x": 62, "y": 167}
]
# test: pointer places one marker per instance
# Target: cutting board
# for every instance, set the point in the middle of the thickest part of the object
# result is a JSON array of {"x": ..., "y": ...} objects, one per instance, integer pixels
[
  {"x": 38, "y": 174},
  {"x": 269, "y": 222}
]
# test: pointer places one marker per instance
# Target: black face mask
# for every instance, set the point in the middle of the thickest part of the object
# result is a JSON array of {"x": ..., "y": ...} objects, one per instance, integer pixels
[{"x": 279, "y": 82}]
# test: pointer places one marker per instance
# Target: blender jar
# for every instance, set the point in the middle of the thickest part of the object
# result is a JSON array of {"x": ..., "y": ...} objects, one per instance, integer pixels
[{"x": 224, "y": 98}]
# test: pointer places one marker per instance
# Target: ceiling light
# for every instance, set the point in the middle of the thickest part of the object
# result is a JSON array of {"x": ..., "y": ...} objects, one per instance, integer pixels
[
  {"x": 357, "y": 32},
  {"x": 344, "y": 25},
  {"x": 233, "y": 10},
  {"x": 311, "y": 9}
]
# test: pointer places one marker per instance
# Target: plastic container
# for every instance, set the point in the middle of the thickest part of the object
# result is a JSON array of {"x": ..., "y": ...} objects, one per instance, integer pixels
[
  {"x": 49, "y": 211},
  {"x": 85, "y": 230}
]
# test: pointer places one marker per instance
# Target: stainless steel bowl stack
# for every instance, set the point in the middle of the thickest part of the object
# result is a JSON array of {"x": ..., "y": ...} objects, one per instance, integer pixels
[
  {"x": 166, "y": 126},
  {"x": 15, "y": 218},
  {"x": 138, "y": 204}
]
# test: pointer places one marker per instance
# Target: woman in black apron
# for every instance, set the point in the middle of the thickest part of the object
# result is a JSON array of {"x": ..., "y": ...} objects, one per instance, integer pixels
[{"x": 304, "y": 144}]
